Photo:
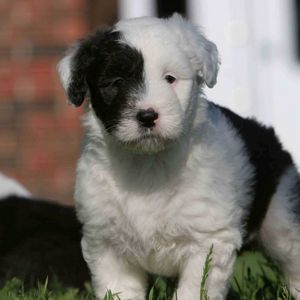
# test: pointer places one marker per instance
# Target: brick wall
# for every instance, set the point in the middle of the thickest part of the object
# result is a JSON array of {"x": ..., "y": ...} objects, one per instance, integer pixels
[{"x": 40, "y": 134}]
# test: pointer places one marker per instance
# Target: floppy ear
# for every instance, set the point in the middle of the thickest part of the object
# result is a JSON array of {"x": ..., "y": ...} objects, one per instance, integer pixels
[
  {"x": 72, "y": 79},
  {"x": 74, "y": 66},
  {"x": 202, "y": 52}
]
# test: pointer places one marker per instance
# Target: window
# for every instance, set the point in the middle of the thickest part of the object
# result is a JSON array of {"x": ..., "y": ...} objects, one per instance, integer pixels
[
  {"x": 166, "y": 8},
  {"x": 297, "y": 30}
]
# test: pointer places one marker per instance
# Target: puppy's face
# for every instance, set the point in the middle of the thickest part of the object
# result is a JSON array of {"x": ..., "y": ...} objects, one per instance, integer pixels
[{"x": 141, "y": 77}]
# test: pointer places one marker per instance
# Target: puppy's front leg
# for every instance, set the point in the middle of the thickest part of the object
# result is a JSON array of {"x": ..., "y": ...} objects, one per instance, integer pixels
[
  {"x": 113, "y": 272},
  {"x": 218, "y": 279}
]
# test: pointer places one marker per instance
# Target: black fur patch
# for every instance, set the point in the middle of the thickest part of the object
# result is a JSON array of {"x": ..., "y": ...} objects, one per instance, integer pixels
[
  {"x": 268, "y": 158},
  {"x": 39, "y": 239},
  {"x": 112, "y": 71}
]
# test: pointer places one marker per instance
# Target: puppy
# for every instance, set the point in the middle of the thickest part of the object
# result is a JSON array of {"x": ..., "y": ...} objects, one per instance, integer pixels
[{"x": 165, "y": 173}]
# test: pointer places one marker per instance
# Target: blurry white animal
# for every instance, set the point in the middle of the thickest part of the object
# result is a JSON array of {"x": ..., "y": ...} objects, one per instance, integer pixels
[{"x": 9, "y": 187}]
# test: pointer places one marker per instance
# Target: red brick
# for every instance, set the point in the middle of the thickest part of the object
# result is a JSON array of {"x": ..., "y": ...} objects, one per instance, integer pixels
[
  {"x": 5, "y": 6},
  {"x": 9, "y": 144},
  {"x": 40, "y": 144},
  {"x": 73, "y": 29},
  {"x": 29, "y": 79}
]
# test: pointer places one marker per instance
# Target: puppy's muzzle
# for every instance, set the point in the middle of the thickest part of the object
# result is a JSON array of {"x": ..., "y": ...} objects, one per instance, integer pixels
[{"x": 146, "y": 117}]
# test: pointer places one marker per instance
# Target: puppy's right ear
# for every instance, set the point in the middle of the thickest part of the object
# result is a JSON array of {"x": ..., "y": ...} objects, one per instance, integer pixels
[
  {"x": 202, "y": 52},
  {"x": 74, "y": 67}
]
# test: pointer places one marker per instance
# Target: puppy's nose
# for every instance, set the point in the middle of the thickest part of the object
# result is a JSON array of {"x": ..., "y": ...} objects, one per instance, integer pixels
[{"x": 146, "y": 117}]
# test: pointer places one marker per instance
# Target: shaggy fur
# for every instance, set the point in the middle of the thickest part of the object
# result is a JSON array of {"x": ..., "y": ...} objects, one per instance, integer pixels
[
  {"x": 40, "y": 240},
  {"x": 154, "y": 195}
]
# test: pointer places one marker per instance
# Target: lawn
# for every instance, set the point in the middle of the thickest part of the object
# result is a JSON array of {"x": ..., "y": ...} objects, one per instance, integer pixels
[{"x": 255, "y": 278}]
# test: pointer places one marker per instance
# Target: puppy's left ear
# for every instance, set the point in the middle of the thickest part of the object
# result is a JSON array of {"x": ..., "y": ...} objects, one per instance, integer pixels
[
  {"x": 74, "y": 67},
  {"x": 202, "y": 52},
  {"x": 72, "y": 79}
]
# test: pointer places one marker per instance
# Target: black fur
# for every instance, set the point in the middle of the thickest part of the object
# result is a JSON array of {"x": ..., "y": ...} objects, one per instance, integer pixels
[
  {"x": 268, "y": 158},
  {"x": 111, "y": 71},
  {"x": 39, "y": 239}
]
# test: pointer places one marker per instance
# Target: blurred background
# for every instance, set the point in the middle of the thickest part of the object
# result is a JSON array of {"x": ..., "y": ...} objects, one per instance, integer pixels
[{"x": 40, "y": 135}]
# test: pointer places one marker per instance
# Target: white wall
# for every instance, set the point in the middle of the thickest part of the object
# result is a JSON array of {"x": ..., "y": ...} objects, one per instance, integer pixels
[
  {"x": 260, "y": 74},
  {"x": 136, "y": 8},
  {"x": 227, "y": 27}
]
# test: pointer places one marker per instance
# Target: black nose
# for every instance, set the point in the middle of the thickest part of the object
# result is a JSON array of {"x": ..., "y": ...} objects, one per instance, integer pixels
[{"x": 146, "y": 117}]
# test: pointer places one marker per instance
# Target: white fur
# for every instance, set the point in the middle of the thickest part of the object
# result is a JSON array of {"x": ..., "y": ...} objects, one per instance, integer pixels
[
  {"x": 64, "y": 68},
  {"x": 280, "y": 231},
  {"x": 157, "y": 202},
  {"x": 9, "y": 187},
  {"x": 168, "y": 56},
  {"x": 162, "y": 212}
]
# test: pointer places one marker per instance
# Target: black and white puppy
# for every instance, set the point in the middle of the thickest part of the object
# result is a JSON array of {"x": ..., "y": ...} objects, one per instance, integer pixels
[{"x": 165, "y": 173}]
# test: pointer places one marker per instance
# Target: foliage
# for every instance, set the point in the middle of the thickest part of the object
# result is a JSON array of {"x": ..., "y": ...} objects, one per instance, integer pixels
[{"x": 255, "y": 278}]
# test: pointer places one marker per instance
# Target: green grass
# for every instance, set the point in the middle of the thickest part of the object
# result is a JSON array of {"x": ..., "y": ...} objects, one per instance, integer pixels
[
  {"x": 255, "y": 278},
  {"x": 14, "y": 290},
  {"x": 206, "y": 269}
]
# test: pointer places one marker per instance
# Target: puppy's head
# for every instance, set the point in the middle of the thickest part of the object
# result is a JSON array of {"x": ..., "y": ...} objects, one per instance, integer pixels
[{"x": 141, "y": 76}]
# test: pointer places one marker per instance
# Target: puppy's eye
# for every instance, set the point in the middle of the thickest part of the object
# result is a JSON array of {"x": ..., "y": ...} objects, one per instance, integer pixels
[{"x": 170, "y": 78}]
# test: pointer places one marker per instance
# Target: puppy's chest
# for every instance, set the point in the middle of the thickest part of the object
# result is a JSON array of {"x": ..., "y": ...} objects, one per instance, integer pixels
[
  {"x": 149, "y": 233},
  {"x": 156, "y": 230},
  {"x": 146, "y": 221}
]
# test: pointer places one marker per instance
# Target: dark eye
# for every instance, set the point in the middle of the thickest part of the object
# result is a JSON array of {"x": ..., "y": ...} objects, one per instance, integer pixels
[{"x": 170, "y": 79}]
